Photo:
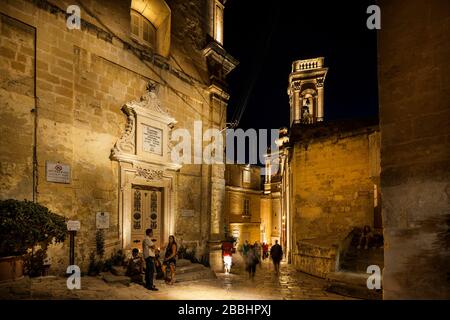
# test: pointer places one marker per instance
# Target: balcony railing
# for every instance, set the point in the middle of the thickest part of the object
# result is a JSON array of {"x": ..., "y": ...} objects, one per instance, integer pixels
[{"x": 308, "y": 64}]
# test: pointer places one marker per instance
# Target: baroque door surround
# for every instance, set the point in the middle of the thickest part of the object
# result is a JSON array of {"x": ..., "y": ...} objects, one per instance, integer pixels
[{"x": 143, "y": 154}]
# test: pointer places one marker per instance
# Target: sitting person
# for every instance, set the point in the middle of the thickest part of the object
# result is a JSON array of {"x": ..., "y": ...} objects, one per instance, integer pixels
[
  {"x": 366, "y": 237},
  {"x": 158, "y": 266},
  {"x": 135, "y": 267}
]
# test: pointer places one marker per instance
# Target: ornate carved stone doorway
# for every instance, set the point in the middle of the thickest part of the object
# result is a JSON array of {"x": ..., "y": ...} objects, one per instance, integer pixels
[{"x": 146, "y": 172}]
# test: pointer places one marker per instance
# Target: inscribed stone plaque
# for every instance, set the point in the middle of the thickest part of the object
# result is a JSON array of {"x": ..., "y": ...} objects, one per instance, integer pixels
[
  {"x": 151, "y": 139},
  {"x": 187, "y": 213},
  {"x": 57, "y": 172},
  {"x": 102, "y": 220}
]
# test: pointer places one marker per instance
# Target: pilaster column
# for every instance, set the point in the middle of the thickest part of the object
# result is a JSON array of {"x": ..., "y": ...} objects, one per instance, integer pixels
[
  {"x": 297, "y": 106},
  {"x": 320, "y": 102}
]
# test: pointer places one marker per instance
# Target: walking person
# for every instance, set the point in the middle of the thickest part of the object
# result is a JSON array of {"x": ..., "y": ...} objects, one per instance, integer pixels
[
  {"x": 276, "y": 253},
  {"x": 170, "y": 260},
  {"x": 265, "y": 247},
  {"x": 258, "y": 251},
  {"x": 245, "y": 248},
  {"x": 252, "y": 261},
  {"x": 148, "y": 250}
]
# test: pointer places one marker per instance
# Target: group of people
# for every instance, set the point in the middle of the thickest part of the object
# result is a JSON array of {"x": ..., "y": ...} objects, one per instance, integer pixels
[
  {"x": 253, "y": 253},
  {"x": 150, "y": 262}
]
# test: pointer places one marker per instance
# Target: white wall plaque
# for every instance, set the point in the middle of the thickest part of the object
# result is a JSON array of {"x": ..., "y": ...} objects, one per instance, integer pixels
[
  {"x": 73, "y": 225},
  {"x": 102, "y": 220},
  {"x": 57, "y": 172},
  {"x": 187, "y": 213},
  {"x": 152, "y": 139}
]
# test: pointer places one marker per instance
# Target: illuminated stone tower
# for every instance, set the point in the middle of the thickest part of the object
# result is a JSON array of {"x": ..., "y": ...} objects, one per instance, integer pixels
[{"x": 305, "y": 90}]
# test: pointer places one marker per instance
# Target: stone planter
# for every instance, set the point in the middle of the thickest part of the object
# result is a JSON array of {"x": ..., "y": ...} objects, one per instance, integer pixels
[{"x": 11, "y": 268}]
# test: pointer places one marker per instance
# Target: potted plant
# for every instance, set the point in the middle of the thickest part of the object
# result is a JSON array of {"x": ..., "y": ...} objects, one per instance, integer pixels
[{"x": 24, "y": 225}]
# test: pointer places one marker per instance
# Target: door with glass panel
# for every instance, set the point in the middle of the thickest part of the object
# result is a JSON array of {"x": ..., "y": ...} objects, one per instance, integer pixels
[{"x": 146, "y": 213}]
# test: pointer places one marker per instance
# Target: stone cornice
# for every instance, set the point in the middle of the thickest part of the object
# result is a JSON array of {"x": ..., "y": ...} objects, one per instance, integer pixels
[
  {"x": 217, "y": 53},
  {"x": 243, "y": 190}
]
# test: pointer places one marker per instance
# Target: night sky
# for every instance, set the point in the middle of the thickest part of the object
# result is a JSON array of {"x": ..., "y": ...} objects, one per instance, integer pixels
[{"x": 267, "y": 36}]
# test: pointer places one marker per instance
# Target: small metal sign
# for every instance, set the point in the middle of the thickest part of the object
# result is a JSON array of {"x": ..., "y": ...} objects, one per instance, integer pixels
[
  {"x": 102, "y": 220},
  {"x": 73, "y": 225},
  {"x": 57, "y": 172}
]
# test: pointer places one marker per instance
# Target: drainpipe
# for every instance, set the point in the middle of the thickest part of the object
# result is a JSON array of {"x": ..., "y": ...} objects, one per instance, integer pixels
[{"x": 35, "y": 129}]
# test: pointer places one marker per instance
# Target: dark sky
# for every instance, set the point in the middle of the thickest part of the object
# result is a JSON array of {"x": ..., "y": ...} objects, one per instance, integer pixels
[{"x": 267, "y": 36}]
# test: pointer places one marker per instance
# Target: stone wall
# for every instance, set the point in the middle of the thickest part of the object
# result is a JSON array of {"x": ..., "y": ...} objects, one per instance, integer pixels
[
  {"x": 234, "y": 208},
  {"x": 83, "y": 78},
  {"x": 334, "y": 168},
  {"x": 414, "y": 87},
  {"x": 234, "y": 176},
  {"x": 332, "y": 183},
  {"x": 17, "y": 115},
  {"x": 267, "y": 223}
]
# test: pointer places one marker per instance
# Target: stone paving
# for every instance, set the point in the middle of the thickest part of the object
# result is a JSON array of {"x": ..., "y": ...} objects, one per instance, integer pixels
[{"x": 290, "y": 284}]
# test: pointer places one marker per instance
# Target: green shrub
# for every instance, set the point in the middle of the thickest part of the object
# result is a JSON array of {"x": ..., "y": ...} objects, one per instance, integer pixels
[
  {"x": 34, "y": 263},
  {"x": 100, "y": 242},
  {"x": 25, "y": 225},
  {"x": 95, "y": 266}
]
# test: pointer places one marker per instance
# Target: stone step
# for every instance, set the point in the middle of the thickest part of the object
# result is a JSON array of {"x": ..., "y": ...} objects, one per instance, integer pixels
[
  {"x": 359, "y": 267},
  {"x": 183, "y": 262},
  {"x": 204, "y": 274},
  {"x": 194, "y": 267},
  {"x": 351, "y": 284},
  {"x": 111, "y": 278},
  {"x": 364, "y": 259},
  {"x": 364, "y": 254},
  {"x": 357, "y": 260},
  {"x": 185, "y": 271},
  {"x": 118, "y": 270}
]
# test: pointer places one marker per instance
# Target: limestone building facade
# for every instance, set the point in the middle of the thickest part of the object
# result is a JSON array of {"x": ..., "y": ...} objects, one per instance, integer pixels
[
  {"x": 87, "y": 116},
  {"x": 328, "y": 175},
  {"x": 250, "y": 214}
]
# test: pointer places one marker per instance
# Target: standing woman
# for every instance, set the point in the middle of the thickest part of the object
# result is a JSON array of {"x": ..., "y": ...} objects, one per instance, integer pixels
[{"x": 170, "y": 259}]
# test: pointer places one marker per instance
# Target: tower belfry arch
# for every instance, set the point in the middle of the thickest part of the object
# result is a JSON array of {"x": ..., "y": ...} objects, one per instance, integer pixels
[{"x": 305, "y": 90}]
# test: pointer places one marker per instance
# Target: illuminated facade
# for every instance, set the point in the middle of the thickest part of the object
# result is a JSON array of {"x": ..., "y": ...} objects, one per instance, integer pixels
[
  {"x": 102, "y": 102},
  {"x": 306, "y": 85},
  {"x": 328, "y": 178},
  {"x": 250, "y": 213}
]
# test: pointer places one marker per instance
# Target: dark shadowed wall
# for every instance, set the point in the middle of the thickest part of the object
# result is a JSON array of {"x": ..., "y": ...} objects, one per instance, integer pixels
[{"x": 414, "y": 87}]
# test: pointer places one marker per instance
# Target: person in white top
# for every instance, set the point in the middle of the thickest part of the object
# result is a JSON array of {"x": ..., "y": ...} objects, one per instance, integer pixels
[{"x": 148, "y": 250}]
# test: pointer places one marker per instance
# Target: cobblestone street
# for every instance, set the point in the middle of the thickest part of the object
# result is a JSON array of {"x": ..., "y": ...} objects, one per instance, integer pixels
[{"x": 236, "y": 286}]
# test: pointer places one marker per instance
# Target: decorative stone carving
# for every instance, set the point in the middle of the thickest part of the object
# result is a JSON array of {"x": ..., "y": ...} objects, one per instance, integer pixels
[
  {"x": 149, "y": 174},
  {"x": 296, "y": 85},
  {"x": 132, "y": 146},
  {"x": 126, "y": 143},
  {"x": 320, "y": 82},
  {"x": 150, "y": 101}
]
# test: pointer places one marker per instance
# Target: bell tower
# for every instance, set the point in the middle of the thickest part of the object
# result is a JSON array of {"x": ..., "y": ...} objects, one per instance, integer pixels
[{"x": 306, "y": 84}]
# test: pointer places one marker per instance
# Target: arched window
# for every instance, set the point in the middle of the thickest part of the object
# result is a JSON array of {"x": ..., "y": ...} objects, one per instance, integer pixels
[
  {"x": 142, "y": 29},
  {"x": 150, "y": 24}
]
